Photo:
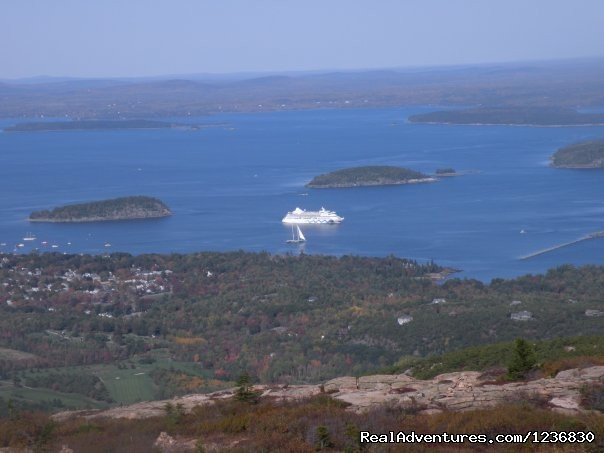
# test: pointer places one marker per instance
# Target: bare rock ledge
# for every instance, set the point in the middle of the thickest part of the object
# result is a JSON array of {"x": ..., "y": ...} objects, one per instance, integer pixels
[{"x": 458, "y": 391}]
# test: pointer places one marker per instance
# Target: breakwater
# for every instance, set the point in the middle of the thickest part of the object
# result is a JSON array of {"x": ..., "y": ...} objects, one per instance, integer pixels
[{"x": 597, "y": 234}]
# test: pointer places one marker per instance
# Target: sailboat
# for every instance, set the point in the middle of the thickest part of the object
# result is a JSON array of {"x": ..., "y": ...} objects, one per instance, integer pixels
[
  {"x": 29, "y": 237},
  {"x": 297, "y": 236}
]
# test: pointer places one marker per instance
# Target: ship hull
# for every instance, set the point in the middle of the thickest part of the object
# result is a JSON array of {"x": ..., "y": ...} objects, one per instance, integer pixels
[{"x": 315, "y": 221}]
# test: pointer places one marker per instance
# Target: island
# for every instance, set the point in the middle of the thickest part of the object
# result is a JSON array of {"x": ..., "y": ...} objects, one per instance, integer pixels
[
  {"x": 124, "y": 208},
  {"x": 368, "y": 176},
  {"x": 580, "y": 155},
  {"x": 86, "y": 125},
  {"x": 511, "y": 116},
  {"x": 446, "y": 172}
]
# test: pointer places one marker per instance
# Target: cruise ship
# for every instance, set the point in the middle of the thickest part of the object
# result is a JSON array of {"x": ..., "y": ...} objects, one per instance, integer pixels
[{"x": 303, "y": 216}]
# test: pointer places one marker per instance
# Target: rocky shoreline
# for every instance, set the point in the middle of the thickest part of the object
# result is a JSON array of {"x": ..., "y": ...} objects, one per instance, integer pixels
[{"x": 102, "y": 219}]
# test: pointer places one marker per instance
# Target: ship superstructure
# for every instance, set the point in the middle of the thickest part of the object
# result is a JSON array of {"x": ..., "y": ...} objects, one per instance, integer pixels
[{"x": 321, "y": 216}]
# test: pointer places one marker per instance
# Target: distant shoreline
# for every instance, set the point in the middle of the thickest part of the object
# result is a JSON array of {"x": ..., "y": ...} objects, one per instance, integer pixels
[
  {"x": 511, "y": 116},
  {"x": 449, "y": 123},
  {"x": 577, "y": 167},
  {"x": 103, "y": 125}
]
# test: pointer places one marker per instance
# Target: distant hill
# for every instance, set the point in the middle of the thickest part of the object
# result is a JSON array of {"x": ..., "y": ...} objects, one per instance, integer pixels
[
  {"x": 559, "y": 84},
  {"x": 125, "y": 208},
  {"x": 580, "y": 155},
  {"x": 368, "y": 176}
]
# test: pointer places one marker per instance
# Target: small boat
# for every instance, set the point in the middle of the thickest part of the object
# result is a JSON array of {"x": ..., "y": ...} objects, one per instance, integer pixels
[
  {"x": 20, "y": 245},
  {"x": 522, "y": 231},
  {"x": 44, "y": 242},
  {"x": 107, "y": 244},
  {"x": 29, "y": 237},
  {"x": 297, "y": 236},
  {"x": 54, "y": 246},
  {"x": 3, "y": 244}
]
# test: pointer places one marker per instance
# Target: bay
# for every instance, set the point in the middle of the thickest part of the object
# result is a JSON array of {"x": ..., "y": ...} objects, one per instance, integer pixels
[{"x": 229, "y": 187}]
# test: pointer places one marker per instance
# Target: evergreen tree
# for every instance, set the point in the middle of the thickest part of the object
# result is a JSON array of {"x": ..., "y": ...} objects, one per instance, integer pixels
[
  {"x": 523, "y": 360},
  {"x": 245, "y": 391}
]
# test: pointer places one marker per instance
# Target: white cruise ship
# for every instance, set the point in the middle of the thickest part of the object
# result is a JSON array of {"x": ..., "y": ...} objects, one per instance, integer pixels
[{"x": 303, "y": 216}]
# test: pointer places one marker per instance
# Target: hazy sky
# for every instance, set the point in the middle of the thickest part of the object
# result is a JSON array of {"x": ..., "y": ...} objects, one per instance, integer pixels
[{"x": 153, "y": 37}]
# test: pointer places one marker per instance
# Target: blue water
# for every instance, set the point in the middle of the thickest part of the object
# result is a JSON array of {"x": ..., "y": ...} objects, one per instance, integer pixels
[{"x": 230, "y": 186}]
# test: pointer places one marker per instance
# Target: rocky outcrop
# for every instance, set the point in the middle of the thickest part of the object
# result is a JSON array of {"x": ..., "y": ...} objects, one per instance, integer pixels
[
  {"x": 165, "y": 443},
  {"x": 149, "y": 409},
  {"x": 466, "y": 390}
]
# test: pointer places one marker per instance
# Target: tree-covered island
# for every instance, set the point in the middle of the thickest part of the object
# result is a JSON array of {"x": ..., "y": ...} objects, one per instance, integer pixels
[
  {"x": 580, "y": 155},
  {"x": 368, "y": 176},
  {"x": 124, "y": 208}
]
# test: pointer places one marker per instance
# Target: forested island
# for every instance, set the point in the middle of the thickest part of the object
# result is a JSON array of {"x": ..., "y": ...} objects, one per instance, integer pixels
[
  {"x": 368, "y": 176},
  {"x": 514, "y": 116},
  {"x": 124, "y": 208},
  {"x": 45, "y": 126},
  {"x": 580, "y": 155}
]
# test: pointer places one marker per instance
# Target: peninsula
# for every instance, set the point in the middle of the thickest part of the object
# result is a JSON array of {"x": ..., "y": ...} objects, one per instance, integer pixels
[
  {"x": 368, "y": 176},
  {"x": 580, "y": 155},
  {"x": 125, "y": 208},
  {"x": 511, "y": 116}
]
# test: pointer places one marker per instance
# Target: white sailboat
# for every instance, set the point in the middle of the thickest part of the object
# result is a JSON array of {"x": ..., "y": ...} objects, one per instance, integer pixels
[
  {"x": 297, "y": 236},
  {"x": 29, "y": 237}
]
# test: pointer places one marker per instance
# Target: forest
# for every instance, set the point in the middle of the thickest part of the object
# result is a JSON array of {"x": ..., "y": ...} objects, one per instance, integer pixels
[{"x": 168, "y": 324}]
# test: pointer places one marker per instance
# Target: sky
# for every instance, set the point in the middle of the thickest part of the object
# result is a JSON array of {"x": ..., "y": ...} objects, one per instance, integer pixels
[{"x": 131, "y": 38}]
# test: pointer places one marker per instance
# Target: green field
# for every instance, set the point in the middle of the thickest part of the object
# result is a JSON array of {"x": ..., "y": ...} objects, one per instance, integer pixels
[
  {"x": 128, "y": 385},
  {"x": 127, "y": 382},
  {"x": 37, "y": 395}
]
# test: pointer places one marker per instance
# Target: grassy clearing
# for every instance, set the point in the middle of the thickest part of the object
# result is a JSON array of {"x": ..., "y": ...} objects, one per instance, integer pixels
[
  {"x": 37, "y": 395},
  {"x": 128, "y": 385},
  {"x": 127, "y": 382}
]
